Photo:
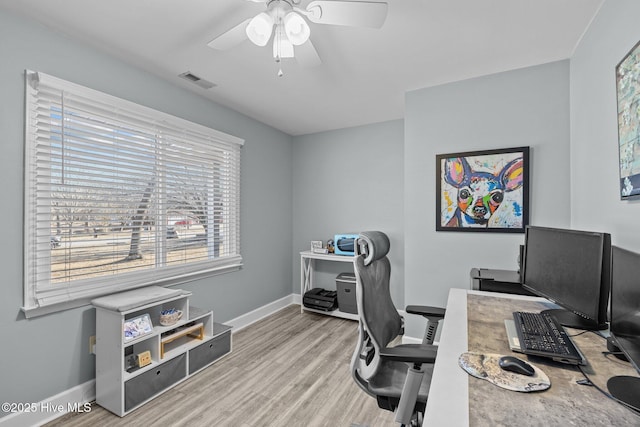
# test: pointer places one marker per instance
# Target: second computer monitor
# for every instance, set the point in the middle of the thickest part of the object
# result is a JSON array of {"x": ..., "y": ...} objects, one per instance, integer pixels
[
  {"x": 571, "y": 268},
  {"x": 625, "y": 321}
]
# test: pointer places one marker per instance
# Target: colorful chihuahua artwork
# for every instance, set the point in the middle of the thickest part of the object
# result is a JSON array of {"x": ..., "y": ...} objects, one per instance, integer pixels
[{"x": 480, "y": 190}]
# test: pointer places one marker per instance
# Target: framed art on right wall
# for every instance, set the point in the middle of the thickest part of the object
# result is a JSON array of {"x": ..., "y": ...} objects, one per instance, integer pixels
[{"x": 628, "y": 96}]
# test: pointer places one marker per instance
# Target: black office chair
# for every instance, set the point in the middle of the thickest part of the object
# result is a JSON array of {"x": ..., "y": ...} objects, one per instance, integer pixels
[{"x": 398, "y": 376}]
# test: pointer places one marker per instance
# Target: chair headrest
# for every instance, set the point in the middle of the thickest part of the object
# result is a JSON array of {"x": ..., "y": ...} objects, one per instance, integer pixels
[{"x": 374, "y": 245}]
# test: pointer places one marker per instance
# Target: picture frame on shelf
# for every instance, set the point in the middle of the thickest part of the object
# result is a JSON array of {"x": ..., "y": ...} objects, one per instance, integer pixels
[
  {"x": 137, "y": 327},
  {"x": 628, "y": 100},
  {"x": 483, "y": 191},
  {"x": 316, "y": 247}
]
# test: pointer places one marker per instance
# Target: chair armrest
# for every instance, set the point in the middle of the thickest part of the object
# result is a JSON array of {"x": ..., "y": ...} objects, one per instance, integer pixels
[
  {"x": 413, "y": 353},
  {"x": 425, "y": 311}
]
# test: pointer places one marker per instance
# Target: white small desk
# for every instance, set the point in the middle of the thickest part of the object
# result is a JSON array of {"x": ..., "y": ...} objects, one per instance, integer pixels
[{"x": 307, "y": 270}]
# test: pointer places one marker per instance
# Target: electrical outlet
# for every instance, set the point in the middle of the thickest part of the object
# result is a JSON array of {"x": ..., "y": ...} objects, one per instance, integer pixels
[{"x": 92, "y": 344}]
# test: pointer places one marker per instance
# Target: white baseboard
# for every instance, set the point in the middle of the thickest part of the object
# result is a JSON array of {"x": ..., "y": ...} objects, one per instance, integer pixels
[
  {"x": 74, "y": 399},
  {"x": 259, "y": 313},
  {"x": 38, "y": 413}
]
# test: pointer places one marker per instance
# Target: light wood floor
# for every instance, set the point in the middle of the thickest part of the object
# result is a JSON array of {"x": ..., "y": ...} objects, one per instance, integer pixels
[{"x": 289, "y": 369}]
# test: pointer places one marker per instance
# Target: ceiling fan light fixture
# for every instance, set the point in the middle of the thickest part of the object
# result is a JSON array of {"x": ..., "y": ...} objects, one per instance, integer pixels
[
  {"x": 296, "y": 28},
  {"x": 259, "y": 29}
]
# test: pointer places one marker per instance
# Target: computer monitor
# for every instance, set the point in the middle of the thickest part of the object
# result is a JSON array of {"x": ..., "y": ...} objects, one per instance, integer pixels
[
  {"x": 625, "y": 321},
  {"x": 572, "y": 269}
]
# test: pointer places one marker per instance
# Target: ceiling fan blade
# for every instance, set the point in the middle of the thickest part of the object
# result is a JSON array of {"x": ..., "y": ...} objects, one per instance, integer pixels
[
  {"x": 306, "y": 55},
  {"x": 230, "y": 38},
  {"x": 352, "y": 13}
]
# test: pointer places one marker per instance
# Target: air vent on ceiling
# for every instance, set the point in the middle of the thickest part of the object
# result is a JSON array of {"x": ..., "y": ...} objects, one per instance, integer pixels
[{"x": 187, "y": 75}]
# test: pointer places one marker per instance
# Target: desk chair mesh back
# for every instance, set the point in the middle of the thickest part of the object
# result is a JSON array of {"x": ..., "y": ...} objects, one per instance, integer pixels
[{"x": 393, "y": 375}]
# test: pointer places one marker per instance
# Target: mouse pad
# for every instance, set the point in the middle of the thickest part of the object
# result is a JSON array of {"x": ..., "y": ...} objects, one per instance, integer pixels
[{"x": 486, "y": 367}]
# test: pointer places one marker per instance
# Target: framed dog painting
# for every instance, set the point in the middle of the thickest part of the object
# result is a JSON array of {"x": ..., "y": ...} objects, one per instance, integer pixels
[{"x": 483, "y": 191}]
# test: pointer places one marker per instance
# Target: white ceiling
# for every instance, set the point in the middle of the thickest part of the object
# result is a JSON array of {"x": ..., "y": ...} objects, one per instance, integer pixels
[{"x": 365, "y": 72}]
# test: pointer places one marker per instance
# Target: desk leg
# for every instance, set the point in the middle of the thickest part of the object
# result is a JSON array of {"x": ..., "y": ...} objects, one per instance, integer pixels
[{"x": 306, "y": 277}]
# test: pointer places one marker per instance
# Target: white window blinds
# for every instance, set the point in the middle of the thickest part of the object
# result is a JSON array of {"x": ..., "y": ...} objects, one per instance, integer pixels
[{"x": 118, "y": 195}]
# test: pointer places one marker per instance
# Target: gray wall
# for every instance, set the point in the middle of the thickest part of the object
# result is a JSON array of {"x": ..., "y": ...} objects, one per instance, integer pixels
[
  {"x": 44, "y": 356},
  {"x": 349, "y": 180},
  {"x": 595, "y": 200},
  {"x": 526, "y": 107}
]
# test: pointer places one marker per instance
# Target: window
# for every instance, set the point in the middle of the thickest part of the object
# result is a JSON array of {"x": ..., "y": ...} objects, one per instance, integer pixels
[{"x": 119, "y": 196}]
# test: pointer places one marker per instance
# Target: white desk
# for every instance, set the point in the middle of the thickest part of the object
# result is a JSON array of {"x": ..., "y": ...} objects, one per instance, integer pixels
[
  {"x": 565, "y": 403},
  {"x": 307, "y": 270},
  {"x": 448, "y": 403}
]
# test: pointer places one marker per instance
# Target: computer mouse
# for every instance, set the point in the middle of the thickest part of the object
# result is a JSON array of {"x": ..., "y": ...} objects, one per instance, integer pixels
[{"x": 513, "y": 364}]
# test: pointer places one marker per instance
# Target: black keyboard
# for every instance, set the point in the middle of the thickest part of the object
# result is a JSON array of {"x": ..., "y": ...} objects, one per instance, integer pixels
[{"x": 541, "y": 334}]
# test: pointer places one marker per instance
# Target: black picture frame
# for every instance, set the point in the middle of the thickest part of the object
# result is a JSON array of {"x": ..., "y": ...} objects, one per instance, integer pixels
[{"x": 483, "y": 191}]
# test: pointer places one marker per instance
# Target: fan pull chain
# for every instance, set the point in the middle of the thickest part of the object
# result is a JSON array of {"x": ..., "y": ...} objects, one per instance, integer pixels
[
  {"x": 278, "y": 40},
  {"x": 279, "y": 62}
]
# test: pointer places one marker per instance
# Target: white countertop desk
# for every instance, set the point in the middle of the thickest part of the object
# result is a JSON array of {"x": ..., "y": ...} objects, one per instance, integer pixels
[
  {"x": 448, "y": 402},
  {"x": 565, "y": 403}
]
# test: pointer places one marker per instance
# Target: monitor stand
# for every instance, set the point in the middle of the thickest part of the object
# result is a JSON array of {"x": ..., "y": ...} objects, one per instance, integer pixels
[
  {"x": 572, "y": 320},
  {"x": 615, "y": 350},
  {"x": 626, "y": 389}
]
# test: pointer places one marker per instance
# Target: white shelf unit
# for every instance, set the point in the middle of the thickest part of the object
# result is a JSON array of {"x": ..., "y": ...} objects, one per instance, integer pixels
[
  {"x": 307, "y": 271},
  {"x": 177, "y": 351}
]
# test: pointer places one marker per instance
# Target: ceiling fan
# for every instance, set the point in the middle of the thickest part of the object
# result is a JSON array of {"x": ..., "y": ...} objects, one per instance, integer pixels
[{"x": 285, "y": 21}]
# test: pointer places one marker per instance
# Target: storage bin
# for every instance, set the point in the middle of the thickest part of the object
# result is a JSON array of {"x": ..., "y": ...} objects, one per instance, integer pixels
[
  {"x": 143, "y": 387},
  {"x": 208, "y": 352},
  {"x": 346, "y": 287}
]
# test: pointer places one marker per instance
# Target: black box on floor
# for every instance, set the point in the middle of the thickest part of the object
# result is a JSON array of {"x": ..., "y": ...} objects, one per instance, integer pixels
[
  {"x": 320, "y": 299},
  {"x": 346, "y": 285}
]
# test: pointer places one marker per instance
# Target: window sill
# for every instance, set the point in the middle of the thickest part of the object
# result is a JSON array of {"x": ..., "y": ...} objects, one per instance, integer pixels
[{"x": 43, "y": 310}]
